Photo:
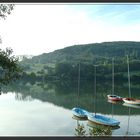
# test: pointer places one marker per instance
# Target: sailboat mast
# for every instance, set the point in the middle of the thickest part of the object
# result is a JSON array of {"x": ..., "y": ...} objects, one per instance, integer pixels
[
  {"x": 78, "y": 83},
  {"x": 128, "y": 77},
  {"x": 112, "y": 76},
  {"x": 112, "y": 82},
  {"x": 95, "y": 89},
  {"x": 78, "y": 78}
]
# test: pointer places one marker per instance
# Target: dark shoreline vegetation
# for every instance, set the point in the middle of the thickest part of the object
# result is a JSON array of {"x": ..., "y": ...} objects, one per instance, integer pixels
[{"x": 63, "y": 64}]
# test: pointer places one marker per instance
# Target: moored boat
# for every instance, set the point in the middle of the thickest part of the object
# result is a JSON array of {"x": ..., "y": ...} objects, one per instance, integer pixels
[
  {"x": 114, "y": 97},
  {"x": 103, "y": 120},
  {"x": 131, "y": 101},
  {"x": 79, "y": 112}
]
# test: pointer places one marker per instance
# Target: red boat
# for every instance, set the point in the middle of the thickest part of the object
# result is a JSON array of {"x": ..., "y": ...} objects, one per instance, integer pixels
[{"x": 114, "y": 98}]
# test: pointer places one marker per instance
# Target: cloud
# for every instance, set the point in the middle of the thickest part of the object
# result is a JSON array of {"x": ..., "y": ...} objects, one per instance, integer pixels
[{"x": 36, "y": 29}]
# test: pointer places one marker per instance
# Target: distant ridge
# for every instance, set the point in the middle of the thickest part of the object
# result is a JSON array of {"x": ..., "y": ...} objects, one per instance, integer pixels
[{"x": 88, "y": 52}]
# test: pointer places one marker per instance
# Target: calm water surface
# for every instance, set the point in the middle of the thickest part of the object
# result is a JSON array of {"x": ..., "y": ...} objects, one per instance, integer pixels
[{"x": 45, "y": 109}]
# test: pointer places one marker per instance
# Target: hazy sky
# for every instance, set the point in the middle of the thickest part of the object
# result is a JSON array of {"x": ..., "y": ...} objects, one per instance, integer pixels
[{"x": 41, "y": 28}]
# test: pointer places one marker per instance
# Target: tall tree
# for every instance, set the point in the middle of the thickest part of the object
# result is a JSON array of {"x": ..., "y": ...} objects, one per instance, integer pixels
[{"x": 9, "y": 68}]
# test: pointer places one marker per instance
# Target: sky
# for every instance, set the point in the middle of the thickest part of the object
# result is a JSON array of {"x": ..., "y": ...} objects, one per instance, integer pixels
[{"x": 33, "y": 29}]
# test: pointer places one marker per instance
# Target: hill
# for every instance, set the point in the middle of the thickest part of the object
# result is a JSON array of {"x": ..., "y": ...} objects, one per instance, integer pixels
[
  {"x": 88, "y": 52},
  {"x": 63, "y": 62}
]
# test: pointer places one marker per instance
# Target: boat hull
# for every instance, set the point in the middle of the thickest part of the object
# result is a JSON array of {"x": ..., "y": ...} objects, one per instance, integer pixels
[
  {"x": 131, "y": 101},
  {"x": 79, "y": 112},
  {"x": 114, "y": 97},
  {"x": 100, "y": 119}
]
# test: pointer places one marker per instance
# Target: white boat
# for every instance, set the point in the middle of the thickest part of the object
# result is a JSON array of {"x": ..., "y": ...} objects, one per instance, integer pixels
[
  {"x": 112, "y": 96},
  {"x": 130, "y": 100}
]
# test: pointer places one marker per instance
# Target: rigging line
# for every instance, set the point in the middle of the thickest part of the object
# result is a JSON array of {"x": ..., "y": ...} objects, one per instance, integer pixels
[
  {"x": 112, "y": 76},
  {"x": 112, "y": 82},
  {"x": 78, "y": 85},
  {"x": 128, "y": 77},
  {"x": 95, "y": 89}
]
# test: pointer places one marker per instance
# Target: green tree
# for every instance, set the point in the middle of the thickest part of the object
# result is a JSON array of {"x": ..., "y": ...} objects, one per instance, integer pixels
[
  {"x": 63, "y": 69},
  {"x": 9, "y": 68}
]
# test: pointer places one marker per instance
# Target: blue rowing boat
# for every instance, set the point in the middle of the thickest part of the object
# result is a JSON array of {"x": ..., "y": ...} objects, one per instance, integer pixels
[
  {"x": 100, "y": 119},
  {"x": 79, "y": 112}
]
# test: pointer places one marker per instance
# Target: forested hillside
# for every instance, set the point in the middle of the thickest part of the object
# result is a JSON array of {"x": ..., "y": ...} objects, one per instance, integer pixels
[
  {"x": 89, "y": 52},
  {"x": 63, "y": 63}
]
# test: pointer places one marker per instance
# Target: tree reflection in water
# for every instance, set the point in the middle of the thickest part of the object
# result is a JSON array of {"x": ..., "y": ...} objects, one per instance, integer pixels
[
  {"x": 92, "y": 131},
  {"x": 99, "y": 130},
  {"x": 80, "y": 130}
]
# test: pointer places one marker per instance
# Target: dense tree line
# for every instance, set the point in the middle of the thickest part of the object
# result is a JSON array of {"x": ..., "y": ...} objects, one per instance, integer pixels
[{"x": 69, "y": 71}]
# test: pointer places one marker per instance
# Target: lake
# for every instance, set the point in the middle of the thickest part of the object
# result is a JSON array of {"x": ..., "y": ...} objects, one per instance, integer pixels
[{"x": 44, "y": 109}]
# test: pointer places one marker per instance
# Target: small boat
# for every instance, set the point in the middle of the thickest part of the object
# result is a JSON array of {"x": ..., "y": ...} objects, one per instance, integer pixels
[
  {"x": 79, "y": 112},
  {"x": 103, "y": 120},
  {"x": 114, "y": 97},
  {"x": 131, "y": 101},
  {"x": 95, "y": 125}
]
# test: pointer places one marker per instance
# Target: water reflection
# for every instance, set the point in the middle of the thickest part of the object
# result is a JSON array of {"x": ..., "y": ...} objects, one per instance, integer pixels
[
  {"x": 131, "y": 105},
  {"x": 99, "y": 130},
  {"x": 80, "y": 129},
  {"x": 63, "y": 94},
  {"x": 127, "y": 131},
  {"x": 114, "y": 102}
]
